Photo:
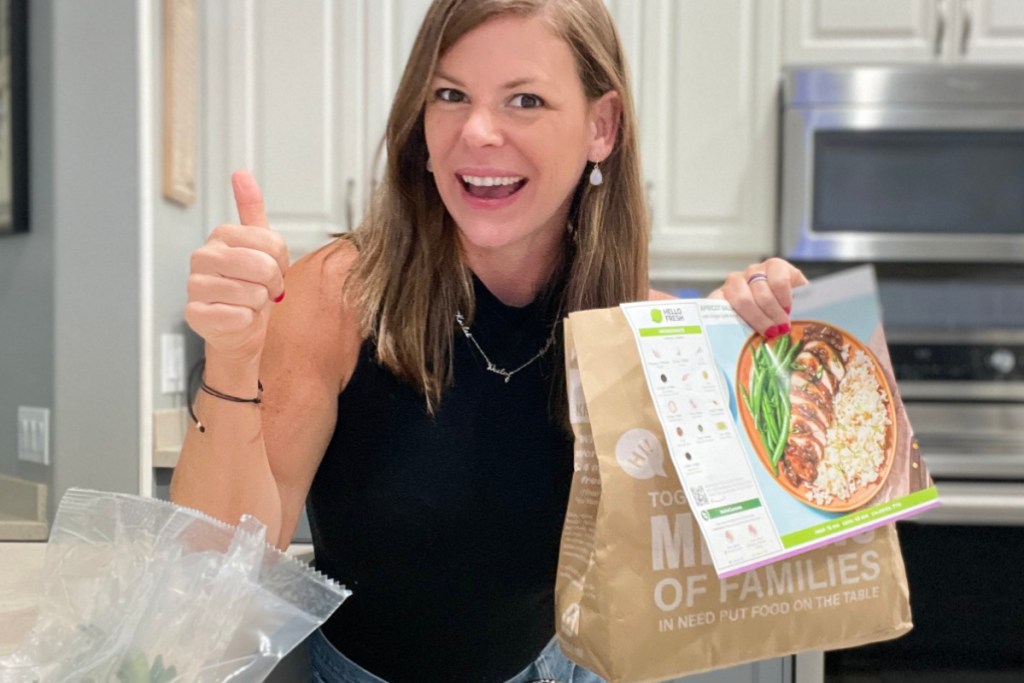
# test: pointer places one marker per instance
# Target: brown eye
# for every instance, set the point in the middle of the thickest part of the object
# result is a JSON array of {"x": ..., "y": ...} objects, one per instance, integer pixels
[
  {"x": 526, "y": 101},
  {"x": 449, "y": 95}
]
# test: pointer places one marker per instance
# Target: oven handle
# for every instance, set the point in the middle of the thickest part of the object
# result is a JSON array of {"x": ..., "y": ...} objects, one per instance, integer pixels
[
  {"x": 975, "y": 503},
  {"x": 1001, "y": 465}
]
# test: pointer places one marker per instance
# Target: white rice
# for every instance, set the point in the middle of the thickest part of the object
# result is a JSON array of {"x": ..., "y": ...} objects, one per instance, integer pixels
[{"x": 856, "y": 439}]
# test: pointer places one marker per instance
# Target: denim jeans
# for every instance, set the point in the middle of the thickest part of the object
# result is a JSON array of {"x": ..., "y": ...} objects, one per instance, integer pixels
[{"x": 330, "y": 666}]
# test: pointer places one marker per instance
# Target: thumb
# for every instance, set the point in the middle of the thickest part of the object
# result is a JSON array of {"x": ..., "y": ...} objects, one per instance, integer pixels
[{"x": 248, "y": 199}]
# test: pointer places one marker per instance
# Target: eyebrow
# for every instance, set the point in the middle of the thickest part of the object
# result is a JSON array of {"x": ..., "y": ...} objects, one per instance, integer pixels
[{"x": 510, "y": 85}]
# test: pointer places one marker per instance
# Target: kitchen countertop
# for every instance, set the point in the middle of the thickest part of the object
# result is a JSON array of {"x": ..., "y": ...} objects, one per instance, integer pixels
[
  {"x": 20, "y": 582},
  {"x": 22, "y": 510}
]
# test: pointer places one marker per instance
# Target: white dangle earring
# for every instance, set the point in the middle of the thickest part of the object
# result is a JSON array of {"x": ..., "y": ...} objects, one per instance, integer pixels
[
  {"x": 596, "y": 178},
  {"x": 430, "y": 167}
]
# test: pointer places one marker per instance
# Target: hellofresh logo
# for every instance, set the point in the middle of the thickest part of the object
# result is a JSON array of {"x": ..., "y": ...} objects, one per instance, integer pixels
[{"x": 656, "y": 315}]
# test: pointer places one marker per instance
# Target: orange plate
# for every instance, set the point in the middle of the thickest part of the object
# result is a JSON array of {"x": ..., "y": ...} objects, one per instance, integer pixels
[{"x": 862, "y": 495}]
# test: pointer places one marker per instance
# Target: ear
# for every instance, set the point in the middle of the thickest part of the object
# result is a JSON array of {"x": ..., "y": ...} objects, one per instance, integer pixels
[{"x": 605, "y": 117}]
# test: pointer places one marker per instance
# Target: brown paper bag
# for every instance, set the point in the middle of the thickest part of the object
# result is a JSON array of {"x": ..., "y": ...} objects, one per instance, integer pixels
[{"x": 637, "y": 598}]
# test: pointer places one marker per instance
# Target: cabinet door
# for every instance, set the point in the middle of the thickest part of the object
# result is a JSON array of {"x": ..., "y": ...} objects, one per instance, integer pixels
[
  {"x": 391, "y": 27},
  {"x": 708, "y": 119},
  {"x": 300, "y": 93},
  {"x": 867, "y": 31},
  {"x": 628, "y": 17},
  {"x": 278, "y": 100},
  {"x": 990, "y": 31}
]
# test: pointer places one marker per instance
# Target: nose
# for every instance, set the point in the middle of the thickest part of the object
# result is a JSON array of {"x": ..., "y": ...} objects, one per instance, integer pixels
[{"x": 482, "y": 128}]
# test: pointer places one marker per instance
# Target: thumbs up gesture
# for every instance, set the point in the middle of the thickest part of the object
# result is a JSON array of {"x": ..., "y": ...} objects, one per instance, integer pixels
[{"x": 237, "y": 277}]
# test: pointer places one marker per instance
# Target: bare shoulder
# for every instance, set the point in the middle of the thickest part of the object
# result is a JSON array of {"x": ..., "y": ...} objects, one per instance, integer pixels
[
  {"x": 322, "y": 275},
  {"x": 655, "y": 295},
  {"x": 314, "y": 334}
]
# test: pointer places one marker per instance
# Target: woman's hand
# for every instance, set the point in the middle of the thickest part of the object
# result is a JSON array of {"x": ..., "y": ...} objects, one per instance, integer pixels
[
  {"x": 762, "y": 294},
  {"x": 237, "y": 276}
]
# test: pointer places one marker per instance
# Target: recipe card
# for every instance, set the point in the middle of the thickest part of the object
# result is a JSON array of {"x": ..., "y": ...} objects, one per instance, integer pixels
[{"x": 787, "y": 444}]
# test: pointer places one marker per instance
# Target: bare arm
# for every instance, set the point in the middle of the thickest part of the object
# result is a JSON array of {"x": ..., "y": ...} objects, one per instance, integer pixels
[{"x": 261, "y": 459}]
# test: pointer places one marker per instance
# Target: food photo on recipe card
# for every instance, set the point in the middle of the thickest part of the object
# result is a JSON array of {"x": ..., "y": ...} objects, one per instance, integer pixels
[{"x": 787, "y": 444}]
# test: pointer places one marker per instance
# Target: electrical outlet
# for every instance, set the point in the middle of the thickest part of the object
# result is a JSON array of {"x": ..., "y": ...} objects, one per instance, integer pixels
[
  {"x": 172, "y": 363},
  {"x": 34, "y": 435}
]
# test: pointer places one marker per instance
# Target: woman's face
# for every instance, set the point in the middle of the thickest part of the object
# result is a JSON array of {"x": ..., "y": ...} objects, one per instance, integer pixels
[{"x": 509, "y": 130}]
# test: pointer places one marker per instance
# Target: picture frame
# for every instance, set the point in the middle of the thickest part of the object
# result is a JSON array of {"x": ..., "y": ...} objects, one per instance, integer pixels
[
  {"x": 14, "y": 126},
  {"x": 180, "y": 97}
]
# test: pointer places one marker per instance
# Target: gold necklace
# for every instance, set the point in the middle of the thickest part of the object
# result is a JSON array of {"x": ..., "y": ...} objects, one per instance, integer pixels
[{"x": 491, "y": 367}]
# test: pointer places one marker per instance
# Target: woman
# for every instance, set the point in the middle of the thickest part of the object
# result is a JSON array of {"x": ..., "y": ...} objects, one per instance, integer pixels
[{"x": 412, "y": 384}]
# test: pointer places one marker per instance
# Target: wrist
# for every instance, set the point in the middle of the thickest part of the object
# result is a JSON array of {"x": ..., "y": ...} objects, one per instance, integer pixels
[{"x": 231, "y": 375}]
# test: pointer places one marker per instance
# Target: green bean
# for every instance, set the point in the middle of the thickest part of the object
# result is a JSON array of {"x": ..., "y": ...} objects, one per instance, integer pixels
[
  {"x": 787, "y": 361},
  {"x": 776, "y": 455},
  {"x": 772, "y": 429},
  {"x": 756, "y": 389},
  {"x": 746, "y": 399},
  {"x": 768, "y": 397}
]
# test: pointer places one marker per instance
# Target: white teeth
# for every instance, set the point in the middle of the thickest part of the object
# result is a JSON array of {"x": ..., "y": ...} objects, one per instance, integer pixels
[{"x": 480, "y": 181}]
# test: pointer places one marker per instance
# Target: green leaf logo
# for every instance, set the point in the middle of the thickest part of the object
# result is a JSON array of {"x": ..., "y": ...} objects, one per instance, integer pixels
[{"x": 656, "y": 315}]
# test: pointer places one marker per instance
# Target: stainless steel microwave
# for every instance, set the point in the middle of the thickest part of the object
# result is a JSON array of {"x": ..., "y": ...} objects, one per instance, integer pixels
[{"x": 907, "y": 163}]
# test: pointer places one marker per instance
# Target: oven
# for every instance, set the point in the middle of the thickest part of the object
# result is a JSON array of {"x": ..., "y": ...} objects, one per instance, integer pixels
[{"x": 962, "y": 381}]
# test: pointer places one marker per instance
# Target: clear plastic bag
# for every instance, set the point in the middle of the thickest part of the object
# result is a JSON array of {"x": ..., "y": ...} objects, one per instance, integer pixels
[{"x": 137, "y": 590}]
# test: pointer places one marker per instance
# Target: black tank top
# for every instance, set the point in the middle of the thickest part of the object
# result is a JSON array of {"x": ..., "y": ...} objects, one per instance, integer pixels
[{"x": 446, "y": 528}]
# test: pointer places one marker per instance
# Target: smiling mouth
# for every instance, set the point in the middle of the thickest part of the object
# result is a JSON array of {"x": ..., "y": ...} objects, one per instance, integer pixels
[{"x": 492, "y": 187}]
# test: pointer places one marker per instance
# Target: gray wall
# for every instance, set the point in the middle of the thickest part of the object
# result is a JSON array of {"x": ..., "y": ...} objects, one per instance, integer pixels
[
  {"x": 27, "y": 268},
  {"x": 96, "y": 252},
  {"x": 71, "y": 303}
]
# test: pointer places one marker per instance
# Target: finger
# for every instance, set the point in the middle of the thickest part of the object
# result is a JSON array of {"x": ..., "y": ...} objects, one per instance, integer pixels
[
  {"x": 737, "y": 292},
  {"x": 248, "y": 199},
  {"x": 211, "y": 320},
  {"x": 267, "y": 241},
  {"x": 210, "y": 289},
  {"x": 783, "y": 277},
  {"x": 239, "y": 263},
  {"x": 766, "y": 292}
]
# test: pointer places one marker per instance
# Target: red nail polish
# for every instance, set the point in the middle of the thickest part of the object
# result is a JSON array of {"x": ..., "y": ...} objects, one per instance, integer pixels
[
  {"x": 280, "y": 298},
  {"x": 771, "y": 332},
  {"x": 784, "y": 328}
]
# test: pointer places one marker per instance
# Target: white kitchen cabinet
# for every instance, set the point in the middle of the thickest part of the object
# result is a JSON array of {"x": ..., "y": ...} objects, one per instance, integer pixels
[
  {"x": 628, "y": 16},
  {"x": 708, "y": 127},
  {"x": 990, "y": 31},
  {"x": 900, "y": 31},
  {"x": 391, "y": 30},
  {"x": 300, "y": 93}
]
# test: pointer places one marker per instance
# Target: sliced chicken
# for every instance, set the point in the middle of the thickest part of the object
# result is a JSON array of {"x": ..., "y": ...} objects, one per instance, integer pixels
[
  {"x": 821, "y": 332},
  {"x": 802, "y": 456},
  {"x": 816, "y": 391},
  {"x": 809, "y": 425},
  {"x": 829, "y": 356},
  {"x": 812, "y": 392}
]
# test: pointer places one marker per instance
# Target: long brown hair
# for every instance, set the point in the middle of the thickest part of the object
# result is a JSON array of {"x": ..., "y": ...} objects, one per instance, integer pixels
[{"x": 412, "y": 281}]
